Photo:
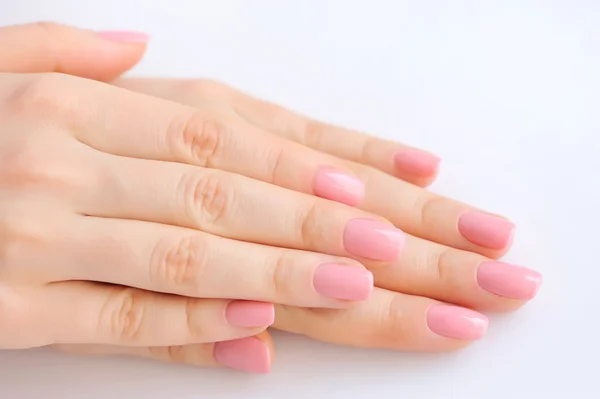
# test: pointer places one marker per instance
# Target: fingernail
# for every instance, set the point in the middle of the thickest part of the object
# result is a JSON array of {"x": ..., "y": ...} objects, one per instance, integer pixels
[
  {"x": 245, "y": 354},
  {"x": 486, "y": 230},
  {"x": 373, "y": 239},
  {"x": 508, "y": 280},
  {"x": 338, "y": 186},
  {"x": 456, "y": 322},
  {"x": 250, "y": 314},
  {"x": 124, "y": 36},
  {"x": 343, "y": 282},
  {"x": 417, "y": 162}
]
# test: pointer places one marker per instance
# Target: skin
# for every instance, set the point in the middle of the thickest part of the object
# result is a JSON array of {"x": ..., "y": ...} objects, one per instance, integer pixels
[{"x": 84, "y": 241}]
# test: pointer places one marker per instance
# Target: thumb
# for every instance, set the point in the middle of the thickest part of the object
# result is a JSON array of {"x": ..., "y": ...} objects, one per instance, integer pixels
[{"x": 51, "y": 47}]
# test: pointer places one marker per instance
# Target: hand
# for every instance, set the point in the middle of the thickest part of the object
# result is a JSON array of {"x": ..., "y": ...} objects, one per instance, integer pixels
[
  {"x": 449, "y": 254},
  {"x": 120, "y": 211},
  {"x": 387, "y": 319}
]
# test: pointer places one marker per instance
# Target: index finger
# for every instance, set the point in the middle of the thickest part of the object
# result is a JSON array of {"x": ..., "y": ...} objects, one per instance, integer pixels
[
  {"x": 124, "y": 123},
  {"x": 408, "y": 163}
]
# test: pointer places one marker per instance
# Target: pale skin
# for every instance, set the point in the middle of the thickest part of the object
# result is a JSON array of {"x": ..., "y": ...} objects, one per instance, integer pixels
[{"x": 178, "y": 220}]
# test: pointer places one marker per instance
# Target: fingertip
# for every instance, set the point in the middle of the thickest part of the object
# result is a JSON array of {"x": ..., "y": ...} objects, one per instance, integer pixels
[
  {"x": 45, "y": 47},
  {"x": 420, "y": 181},
  {"x": 267, "y": 340},
  {"x": 116, "y": 53},
  {"x": 456, "y": 322},
  {"x": 250, "y": 354},
  {"x": 125, "y": 36},
  {"x": 419, "y": 163}
]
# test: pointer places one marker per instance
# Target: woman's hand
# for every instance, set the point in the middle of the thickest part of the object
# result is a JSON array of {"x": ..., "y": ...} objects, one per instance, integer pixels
[
  {"x": 399, "y": 315},
  {"x": 449, "y": 255},
  {"x": 120, "y": 211}
]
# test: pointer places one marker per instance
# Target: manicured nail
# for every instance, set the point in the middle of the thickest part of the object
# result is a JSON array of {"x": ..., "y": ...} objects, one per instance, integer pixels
[
  {"x": 509, "y": 281},
  {"x": 373, "y": 239},
  {"x": 250, "y": 314},
  {"x": 245, "y": 354},
  {"x": 456, "y": 322},
  {"x": 343, "y": 282},
  {"x": 124, "y": 36},
  {"x": 486, "y": 230},
  {"x": 417, "y": 162},
  {"x": 338, "y": 186}
]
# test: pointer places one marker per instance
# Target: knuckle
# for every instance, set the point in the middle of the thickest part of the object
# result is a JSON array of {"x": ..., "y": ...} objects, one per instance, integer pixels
[
  {"x": 180, "y": 266},
  {"x": 440, "y": 262},
  {"x": 282, "y": 120},
  {"x": 20, "y": 236},
  {"x": 123, "y": 315},
  {"x": 171, "y": 353},
  {"x": 367, "y": 148},
  {"x": 314, "y": 132},
  {"x": 281, "y": 275},
  {"x": 392, "y": 327},
  {"x": 198, "y": 329},
  {"x": 43, "y": 95},
  {"x": 310, "y": 232},
  {"x": 29, "y": 163},
  {"x": 426, "y": 207},
  {"x": 208, "y": 198},
  {"x": 199, "y": 139},
  {"x": 274, "y": 164}
]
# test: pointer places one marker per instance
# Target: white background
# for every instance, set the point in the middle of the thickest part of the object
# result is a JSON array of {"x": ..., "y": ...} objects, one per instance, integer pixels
[{"x": 507, "y": 92}]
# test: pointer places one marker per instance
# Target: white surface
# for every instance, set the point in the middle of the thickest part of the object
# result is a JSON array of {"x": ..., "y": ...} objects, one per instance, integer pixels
[{"x": 507, "y": 92}]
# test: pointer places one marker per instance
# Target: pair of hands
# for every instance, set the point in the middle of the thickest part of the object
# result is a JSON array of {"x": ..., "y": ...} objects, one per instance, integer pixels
[{"x": 178, "y": 219}]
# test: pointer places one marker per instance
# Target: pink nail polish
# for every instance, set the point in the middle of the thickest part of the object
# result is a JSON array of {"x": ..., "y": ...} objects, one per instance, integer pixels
[
  {"x": 373, "y": 239},
  {"x": 456, "y": 322},
  {"x": 508, "y": 280},
  {"x": 124, "y": 36},
  {"x": 245, "y": 354},
  {"x": 250, "y": 314},
  {"x": 343, "y": 282},
  {"x": 417, "y": 162},
  {"x": 486, "y": 230},
  {"x": 338, "y": 186}
]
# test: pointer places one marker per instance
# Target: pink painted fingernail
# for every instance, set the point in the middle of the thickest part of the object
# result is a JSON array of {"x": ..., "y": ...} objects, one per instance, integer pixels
[
  {"x": 250, "y": 314},
  {"x": 508, "y": 280},
  {"x": 417, "y": 162},
  {"x": 124, "y": 36},
  {"x": 486, "y": 230},
  {"x": 343, "y": 282},
  {"x": 456, "y": 322},
  {"x": 338, "y": 186},
  {"x": 373, "y": 239},
  {"x": 245, "y": 354}
]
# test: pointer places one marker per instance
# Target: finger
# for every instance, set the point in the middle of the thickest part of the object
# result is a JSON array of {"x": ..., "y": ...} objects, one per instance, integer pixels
[
  {"x": 103, "y": 117},
  {"x": 52, "y": 47},
  {"x": 83, "y": 312},
  {"x": 411, "y": 164},
  {"x": 459, "y": 277},
  {"x": 186, "y": 262},
  {"x": 236, "y": 207},
  {"x": 433, "y": 217},
  {"x": 251, "y": 354},
  {"x": 388, "y": 320},
  {"x": 408, "y": 163}
]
